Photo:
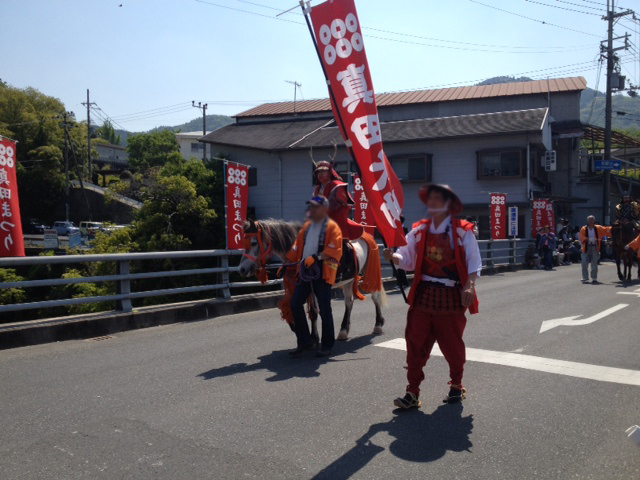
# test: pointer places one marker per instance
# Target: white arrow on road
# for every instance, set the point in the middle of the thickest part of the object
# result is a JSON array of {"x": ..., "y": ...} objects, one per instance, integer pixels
[
  {"x": 573, "y": 321},
  {"x": 635, "y": 292}
]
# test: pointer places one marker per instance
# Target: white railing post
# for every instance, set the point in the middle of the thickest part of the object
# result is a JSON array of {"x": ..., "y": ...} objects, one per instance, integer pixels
[
  {"x": 124, "y": 286},
  {"x": 226, "y": 291}
]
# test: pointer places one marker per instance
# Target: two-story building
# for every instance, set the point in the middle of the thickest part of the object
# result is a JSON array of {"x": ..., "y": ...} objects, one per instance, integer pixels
[{"x": 478, "y": 139}]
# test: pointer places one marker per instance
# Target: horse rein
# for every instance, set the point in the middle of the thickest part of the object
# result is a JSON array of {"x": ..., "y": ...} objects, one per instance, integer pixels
[{"x": 263, "y": 257}]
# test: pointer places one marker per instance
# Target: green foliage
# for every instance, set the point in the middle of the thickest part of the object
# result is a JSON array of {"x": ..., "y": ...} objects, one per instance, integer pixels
[
  {"x": 83, "y": 290},
  {"x": 108, "y": 133},
  {"x": 11, "y": 295},
  {"x": 147, "y": 150}
]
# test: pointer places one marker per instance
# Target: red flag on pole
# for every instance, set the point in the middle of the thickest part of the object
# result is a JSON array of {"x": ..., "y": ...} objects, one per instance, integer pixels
[
  {"x": 11, "y": 239},
  {"x": 237, "y": 197},
  {"x": 551, "y": 215},
  {"x": 539, "y": 215},
  {"x": 499, "y": 218},
  {"x": 338, "y": 38},
  {"x": 363, "y": 214}
]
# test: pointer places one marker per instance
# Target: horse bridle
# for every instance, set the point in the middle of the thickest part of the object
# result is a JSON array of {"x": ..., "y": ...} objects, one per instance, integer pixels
[{"x": 265, "y": 253}]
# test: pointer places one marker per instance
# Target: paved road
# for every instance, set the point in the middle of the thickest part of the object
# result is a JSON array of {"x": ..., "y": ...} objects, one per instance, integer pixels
[{"x": 221, "y": 399}]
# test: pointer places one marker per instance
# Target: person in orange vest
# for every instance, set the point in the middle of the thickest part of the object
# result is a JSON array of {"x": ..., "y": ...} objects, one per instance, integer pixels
[
  {"x": 635, "y": 246},
  {"x": 318, "y": 250},
  {"x": 443, "y": 252},
  {"x": 591, "y": 241}
]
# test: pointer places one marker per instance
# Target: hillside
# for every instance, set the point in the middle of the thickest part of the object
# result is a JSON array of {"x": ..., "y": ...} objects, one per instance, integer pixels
[
  {"x": 591, "y": 98},
  {"x": 213, "y": 123}
]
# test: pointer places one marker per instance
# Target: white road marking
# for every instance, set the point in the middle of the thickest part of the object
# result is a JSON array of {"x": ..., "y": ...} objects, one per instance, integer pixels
[
  {"x": 540, "y": 364},
  {"x": 635, "y": 292},
  {"x": 572, "y": 321}
]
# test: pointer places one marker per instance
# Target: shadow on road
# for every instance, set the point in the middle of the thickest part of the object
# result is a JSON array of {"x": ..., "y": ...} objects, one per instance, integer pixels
[
  {"x": 284, "y": 367},
  {"x": 418, "y": 437}
]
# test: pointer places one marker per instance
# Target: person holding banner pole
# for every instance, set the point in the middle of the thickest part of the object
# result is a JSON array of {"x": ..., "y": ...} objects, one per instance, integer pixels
[{"x": 444, "y": 253}]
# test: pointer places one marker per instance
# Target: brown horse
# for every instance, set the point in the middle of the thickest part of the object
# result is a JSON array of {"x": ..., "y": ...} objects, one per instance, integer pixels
[{"x": 622, "y": 234}]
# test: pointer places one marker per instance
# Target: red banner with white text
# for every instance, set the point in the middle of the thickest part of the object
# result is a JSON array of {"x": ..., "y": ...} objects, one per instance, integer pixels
[
  {"x": 539, "y": 215},
  {"x": 237, "y": 197},
  {"x": 551, "y": 215},
  {"x": 11, "y": 239},
  {"x": 340, "y": 45},
  {"x": 499, "y": 219}
]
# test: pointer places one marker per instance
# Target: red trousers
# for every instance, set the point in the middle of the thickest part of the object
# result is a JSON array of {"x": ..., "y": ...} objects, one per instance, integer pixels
[{"x": 423, "y": 330}]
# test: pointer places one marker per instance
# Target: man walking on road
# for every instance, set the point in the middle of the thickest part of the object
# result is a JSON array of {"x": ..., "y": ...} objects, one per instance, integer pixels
[
  {"x": 319, "y": 249},
  {"x": 591, "y": 240},
  {"x": 444, "y": 253}
]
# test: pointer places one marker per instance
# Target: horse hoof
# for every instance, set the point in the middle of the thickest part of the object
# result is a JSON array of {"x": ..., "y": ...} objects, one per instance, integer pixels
[
  {"x": 343, "y": 335},
  {"x": 377, "y": 330}
]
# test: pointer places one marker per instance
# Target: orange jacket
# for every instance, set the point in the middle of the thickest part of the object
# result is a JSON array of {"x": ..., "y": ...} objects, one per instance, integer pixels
[
  {"x": 635, "y": 245},
  {"x": 600, "y": 232},
  {"x": 332, "y": 248}
]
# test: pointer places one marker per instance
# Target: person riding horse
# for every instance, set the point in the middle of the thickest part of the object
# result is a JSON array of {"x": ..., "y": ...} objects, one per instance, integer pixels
[
  {"x": 330, "y": 185},
  {"x": 628, "y": 212}
]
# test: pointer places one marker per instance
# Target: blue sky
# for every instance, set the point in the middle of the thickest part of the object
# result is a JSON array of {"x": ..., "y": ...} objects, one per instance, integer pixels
[{"x": 155, "y": 56}]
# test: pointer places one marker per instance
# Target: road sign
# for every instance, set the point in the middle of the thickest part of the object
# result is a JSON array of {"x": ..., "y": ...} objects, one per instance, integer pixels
[
  {"x": 608, "y": 165},
  {"x": 51, "y": 240},
  {"x": 513, "y": 221}
]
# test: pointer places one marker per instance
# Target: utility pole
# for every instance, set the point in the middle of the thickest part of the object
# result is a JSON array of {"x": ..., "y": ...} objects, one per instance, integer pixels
[
  {"x": 65, "y": 125},
  {"x": 296, "y": 85},
  {"x": 202, "y": 107},
  {"x": 88, "y": 105},
  {"x": 612, "y": 61}
]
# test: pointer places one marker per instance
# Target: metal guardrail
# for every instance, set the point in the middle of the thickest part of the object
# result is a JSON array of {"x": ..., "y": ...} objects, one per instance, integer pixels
[{"x": 494, "y": 252}]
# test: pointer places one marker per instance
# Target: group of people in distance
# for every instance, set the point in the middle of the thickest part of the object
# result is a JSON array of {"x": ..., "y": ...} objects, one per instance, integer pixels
[
  {"x": 442, "y": 251},
  {"x": 586, "y": 245}
]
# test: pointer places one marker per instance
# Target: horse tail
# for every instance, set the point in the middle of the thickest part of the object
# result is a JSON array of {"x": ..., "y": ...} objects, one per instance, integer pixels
[{"x": 372, "y": 279}]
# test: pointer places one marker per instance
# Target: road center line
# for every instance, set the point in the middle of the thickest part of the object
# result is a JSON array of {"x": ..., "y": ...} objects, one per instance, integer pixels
[{"x": 540, "y": 364}]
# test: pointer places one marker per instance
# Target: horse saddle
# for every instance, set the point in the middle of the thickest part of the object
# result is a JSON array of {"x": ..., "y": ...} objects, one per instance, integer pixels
[{"x": 347, "y": 265}]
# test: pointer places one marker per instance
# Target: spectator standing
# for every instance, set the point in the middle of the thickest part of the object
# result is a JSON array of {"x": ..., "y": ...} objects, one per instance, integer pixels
[{"x": 547, "y": 246}]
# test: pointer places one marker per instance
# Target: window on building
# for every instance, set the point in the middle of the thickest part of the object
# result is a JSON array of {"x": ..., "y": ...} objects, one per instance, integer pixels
[
  {"x": 413, "y": 168},
  {"x": 197, "y": 146},
  {"x": 500, "y": 163},
  {"x": 253, "y": 176}
]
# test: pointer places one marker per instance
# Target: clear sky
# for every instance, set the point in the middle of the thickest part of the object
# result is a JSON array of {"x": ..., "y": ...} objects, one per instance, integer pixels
[{"x": 152, "y": 57}]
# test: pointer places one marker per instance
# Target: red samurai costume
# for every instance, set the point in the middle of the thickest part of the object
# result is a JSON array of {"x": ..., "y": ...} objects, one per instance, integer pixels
[
  {"x": 340, "y": 202},
  {"x": 443, "y": 258}
]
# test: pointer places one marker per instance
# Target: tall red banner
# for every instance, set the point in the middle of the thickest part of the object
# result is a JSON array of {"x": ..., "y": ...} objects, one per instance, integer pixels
[
  {"x": 237, "y": 197},
  {"x": 11, "y": 239},
  {"x": 550, "y": 215},
  {"x": 539, "y": 215},
  {"x": 499, "y": 219},
  {"x": 340, "y": 45}
]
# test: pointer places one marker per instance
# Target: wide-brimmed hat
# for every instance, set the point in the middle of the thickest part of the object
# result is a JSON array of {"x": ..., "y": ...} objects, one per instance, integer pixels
[{"x": 455, "y": 205}]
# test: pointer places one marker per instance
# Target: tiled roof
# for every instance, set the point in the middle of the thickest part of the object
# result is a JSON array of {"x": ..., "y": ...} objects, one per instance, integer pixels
[
  {"x": 553, "y": 85},
  {"x": 318, "y": 133}
]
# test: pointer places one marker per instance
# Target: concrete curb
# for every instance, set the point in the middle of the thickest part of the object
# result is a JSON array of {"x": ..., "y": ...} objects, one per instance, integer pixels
[{"x": 35, "y": 332}]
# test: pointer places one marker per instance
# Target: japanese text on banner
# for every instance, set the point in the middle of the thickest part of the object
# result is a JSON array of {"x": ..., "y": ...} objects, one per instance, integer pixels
[
  {"x": 11, "y": 239},
  {"x": 341, "y": 47},
  {"x": 539, "y": 215},
  {"x": 237, "y": 197},
  {"x": 362, "y": 213},
  {"x": 499, "y": 219}
]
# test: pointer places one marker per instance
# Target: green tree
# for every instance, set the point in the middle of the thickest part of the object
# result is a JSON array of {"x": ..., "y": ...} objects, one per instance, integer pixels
[
  {"x": 108, "y": 133},
  {"x": 148, "y": 150}
]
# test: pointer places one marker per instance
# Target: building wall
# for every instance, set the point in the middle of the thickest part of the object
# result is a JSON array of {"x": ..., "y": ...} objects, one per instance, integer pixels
[{"x": 186, "y": 140}]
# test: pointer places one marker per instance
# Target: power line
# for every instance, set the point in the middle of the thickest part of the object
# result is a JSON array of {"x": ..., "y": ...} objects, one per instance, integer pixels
[
  {"x": 562, "y": 8},
  {"x": 601, "y": 9},
  {"x": 532, "y": 19}
]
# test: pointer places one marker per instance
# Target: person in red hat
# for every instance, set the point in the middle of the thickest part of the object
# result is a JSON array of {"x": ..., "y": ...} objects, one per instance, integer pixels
[
  {"x": 444, "y": 253},
  {"x": 331, "y": 186}
]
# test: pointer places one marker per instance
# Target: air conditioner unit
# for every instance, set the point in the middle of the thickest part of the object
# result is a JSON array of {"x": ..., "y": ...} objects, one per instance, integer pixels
[{"x": 550, "y": 163}]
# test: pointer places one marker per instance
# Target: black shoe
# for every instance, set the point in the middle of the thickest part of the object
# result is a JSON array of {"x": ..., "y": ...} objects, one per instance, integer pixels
[
  {"x": 300, "y": 350},
  {"x": 323, "y": 352},
  {"x": 455, "y": 395},
  {"x": 407, "y": 402}
]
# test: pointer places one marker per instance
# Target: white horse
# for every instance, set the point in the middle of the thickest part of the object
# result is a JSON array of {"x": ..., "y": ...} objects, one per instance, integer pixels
[{"x": 276, "y": 237}]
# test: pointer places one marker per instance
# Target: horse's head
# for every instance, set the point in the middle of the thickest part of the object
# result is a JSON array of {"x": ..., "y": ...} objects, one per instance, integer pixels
[{"x": 257, "y": 249}]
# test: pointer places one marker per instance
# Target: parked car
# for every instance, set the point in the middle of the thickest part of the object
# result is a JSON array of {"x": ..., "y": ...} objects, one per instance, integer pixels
[
  {"x": 90, "y": 228},
  {"x": 65, "y": 228},
  {"x": 34, "y": 227}
]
